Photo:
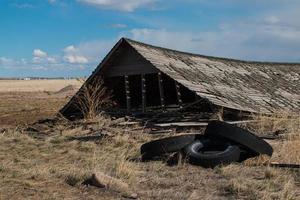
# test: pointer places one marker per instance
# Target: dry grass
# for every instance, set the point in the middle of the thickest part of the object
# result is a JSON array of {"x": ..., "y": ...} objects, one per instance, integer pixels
[
  {"x": 23, "y": 102},
  {"x": 92, "y": 98},
  {"x": 55, "y": 167},
  {"x": 266, "y": 184},
  {"x": 56, "y": 164},
  {"x": 288, "y": 128},
  {"x": 269, "y": 183},
  {"x": 36, "y": 85},
  {"x": 281, "y": 121}
]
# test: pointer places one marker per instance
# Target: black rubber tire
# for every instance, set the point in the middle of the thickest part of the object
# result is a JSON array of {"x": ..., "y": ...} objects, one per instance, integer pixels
[
  {"x": 208, "y": 152},
  {"x": 166, "y": 145},
  {"x": 243, "y": 137}
]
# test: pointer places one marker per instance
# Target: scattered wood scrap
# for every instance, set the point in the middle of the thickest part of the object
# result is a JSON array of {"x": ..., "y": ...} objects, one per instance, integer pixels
[
  {"x": 195, "y": 124},
  {"x": 284, "y": 165}
]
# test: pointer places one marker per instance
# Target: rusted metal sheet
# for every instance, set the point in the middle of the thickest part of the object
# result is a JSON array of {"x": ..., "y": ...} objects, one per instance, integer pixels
[{"x": 248, "y": 86}]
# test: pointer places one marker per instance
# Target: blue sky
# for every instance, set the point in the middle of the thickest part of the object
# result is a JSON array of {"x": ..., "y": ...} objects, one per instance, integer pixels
[{"x": 54, "y": 38}]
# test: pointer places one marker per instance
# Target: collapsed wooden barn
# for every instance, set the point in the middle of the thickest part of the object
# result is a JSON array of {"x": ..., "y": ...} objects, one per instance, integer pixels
[{"x": 149, "y": 79}]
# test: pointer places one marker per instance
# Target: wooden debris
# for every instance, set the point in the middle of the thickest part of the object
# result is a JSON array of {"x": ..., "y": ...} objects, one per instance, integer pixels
[
  {"x": 196, "y": 124},
  {"x": 284, "y": 165},
  {"x": 128, "y": 123}
]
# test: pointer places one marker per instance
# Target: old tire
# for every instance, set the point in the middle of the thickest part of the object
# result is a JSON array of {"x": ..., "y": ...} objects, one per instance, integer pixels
[
  {"x": 252, "y": 143},
  {"x": 208, "y": 152},
  {"x": 166, "y": 145}
]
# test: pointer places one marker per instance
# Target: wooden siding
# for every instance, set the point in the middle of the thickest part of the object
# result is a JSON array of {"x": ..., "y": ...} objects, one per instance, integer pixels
[{"x": 129, "y": 62}]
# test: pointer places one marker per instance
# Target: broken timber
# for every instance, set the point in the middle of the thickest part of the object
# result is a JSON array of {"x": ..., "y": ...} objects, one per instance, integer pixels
[{"x": 196, "y": 124}]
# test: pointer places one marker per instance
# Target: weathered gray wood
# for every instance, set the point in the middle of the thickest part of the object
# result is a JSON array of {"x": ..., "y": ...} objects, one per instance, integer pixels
[
  {"x": 196, "y": 124},
  {"x": 127, "y": 92},
  {"x": 178, "y": 93},
  {"x": 143, "y": 82},
  {"x": 161, "y": 91}
]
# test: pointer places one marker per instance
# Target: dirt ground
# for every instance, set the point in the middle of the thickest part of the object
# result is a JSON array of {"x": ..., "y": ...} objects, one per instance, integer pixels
[
  {"x": 23, "y": 102},
  {"x": 44, "y": 161},
  {"x": 36, "y": 85}
]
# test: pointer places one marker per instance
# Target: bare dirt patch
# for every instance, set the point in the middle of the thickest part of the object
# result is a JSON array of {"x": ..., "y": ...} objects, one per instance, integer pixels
[{"x": 23, "y": 102}]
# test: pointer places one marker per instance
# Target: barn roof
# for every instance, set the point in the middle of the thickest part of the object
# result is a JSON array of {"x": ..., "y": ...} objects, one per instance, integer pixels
[
  {"x": 260, "y": 87},
  {"x": 242, "y": 85}
]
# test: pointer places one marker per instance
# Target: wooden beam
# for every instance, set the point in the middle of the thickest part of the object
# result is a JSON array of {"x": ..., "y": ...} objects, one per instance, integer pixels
[
  {"x": 127, "y": 92},
  {"x": 143, "y": 81},
  {"x": 197, "y": 124},
  {"x": 196, "y": 97},
  {"x": 178, "y": 93},
  {"x": 161, "y": 91}
]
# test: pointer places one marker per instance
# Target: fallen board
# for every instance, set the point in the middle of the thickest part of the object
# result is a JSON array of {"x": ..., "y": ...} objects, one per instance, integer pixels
[{"x": 195, "y": 124}]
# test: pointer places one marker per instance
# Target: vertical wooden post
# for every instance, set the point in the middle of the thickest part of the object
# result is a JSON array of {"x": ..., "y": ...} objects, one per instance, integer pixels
[
  {"x": 179, "y": 100},
  {"x": 196, "y": 97},
  {"x": 161, "y": 91},
  {"x": 143, "y": 81},
  {"x": 127, "y": 92}
]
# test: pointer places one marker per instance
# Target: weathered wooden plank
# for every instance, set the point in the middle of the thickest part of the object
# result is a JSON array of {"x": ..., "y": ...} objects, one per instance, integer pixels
[
  {"x": 178, "y": 94},
  {"x": 127, "y": 91},
  {"x": 143, "y": 82},
  {"x": 161, "y": 90},
  {"x": 195, "y": 124}
]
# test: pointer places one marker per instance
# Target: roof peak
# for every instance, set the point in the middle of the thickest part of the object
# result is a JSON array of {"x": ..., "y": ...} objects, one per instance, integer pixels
[{"x": 129, "y": 40}]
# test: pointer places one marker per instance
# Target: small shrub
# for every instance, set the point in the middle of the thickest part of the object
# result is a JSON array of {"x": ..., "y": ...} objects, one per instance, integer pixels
[{"x": 92, "y": 98}]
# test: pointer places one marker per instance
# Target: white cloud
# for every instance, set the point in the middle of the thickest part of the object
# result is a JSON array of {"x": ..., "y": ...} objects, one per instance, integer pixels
[
  {"x": 88, "y": 52},
  {"x": 23, "y": 5},
  {"x": 5, "y": 61},
  {"x": 123, "y": 5},
  {"x": 39, "y": 53},
  {"x": 272, "y": 20},
  {"x": 70, "y": 49},
  {"x": 74, "y": 59},
  {"x": 274, "y": 36},
  {"x": 118, "y": 26},
  {"x": 72, "y": 55},
  {"x": 51, "y": 60}
]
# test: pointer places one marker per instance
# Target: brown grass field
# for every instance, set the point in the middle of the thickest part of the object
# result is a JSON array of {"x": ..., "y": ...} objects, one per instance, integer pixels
[{"x": 39, "y": 161}]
